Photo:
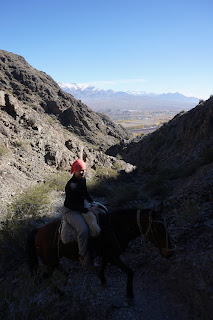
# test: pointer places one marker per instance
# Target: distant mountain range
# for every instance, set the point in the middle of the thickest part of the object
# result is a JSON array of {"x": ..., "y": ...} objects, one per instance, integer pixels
[{"x": 108, "y": 100}]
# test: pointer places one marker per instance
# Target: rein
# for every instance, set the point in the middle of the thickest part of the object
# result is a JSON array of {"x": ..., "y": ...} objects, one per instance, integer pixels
[
  {"x": 145, "y": 236},
  {"x": 58, "y": 237}
]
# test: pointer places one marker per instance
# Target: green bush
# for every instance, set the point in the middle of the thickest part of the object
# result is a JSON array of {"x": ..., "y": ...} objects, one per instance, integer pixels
[
  {"x": 118, "y": 156},
  {"x": 24, "y": 145},
  {"x": 57, "y": 181},
  {"x": 21, "y": 213},
  {"x": 3, "y": 150},
  {"x": 101, "y": 174},
  {"x": 30, "y": 206},
  {"x": 32, "y": 201}
]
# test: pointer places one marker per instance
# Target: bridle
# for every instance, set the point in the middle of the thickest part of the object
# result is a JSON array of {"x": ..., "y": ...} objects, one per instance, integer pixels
[{"x": 150, "y": 229}]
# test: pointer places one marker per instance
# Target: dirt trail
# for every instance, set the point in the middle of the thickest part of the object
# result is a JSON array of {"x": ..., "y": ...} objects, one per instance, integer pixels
[{"x": 151, "y": 302}]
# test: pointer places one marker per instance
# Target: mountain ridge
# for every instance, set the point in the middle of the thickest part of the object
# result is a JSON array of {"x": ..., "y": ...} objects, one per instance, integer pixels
[
  {"x": 42, "y": 93},
  {"x": 108, "y": 101},
  {"x": 88, "y": 89}
]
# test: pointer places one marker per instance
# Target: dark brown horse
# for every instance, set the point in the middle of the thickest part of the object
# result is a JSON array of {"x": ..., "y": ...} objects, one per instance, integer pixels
[{"x": 118, "y": 229}]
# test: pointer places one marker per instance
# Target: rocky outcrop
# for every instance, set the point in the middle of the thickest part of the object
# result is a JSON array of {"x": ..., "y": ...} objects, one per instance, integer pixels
[{"x": 40, "y": 92}]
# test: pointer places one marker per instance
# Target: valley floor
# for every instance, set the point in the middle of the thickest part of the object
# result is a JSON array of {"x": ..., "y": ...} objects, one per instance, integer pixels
[{"x": 138, "y": 122}]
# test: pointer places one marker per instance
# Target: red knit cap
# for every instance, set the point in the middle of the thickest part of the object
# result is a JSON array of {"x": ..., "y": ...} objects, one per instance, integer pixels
[{"x": 78, "y": 165}]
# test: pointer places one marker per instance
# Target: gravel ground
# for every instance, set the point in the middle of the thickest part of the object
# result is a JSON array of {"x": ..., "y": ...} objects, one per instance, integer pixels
[
  {"x": 156, "y": 294},
  {"x": 174, "y": 289}
]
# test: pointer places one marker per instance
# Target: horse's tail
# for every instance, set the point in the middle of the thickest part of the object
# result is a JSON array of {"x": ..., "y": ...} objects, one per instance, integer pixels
[{"x": 31, "y": 252}]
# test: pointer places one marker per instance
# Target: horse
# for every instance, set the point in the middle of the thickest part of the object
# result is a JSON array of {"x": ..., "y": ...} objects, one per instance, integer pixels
[{"x": 117, "y": 230}]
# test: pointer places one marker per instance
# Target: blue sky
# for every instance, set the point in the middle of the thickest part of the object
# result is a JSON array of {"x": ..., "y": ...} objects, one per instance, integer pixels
[{"x": 152, "y": 46}]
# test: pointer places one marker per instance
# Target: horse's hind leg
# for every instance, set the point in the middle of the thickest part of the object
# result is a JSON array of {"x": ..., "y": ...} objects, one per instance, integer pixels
[
  {"x": 48, "y": 272},
  {"x": 130, "y": 275}
]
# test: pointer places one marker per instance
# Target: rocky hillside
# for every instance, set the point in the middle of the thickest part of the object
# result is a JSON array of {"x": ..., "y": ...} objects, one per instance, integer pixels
[
  {"x": 43, "y": 129},
  {"x": 175, "y": 164},
  {"x": 183, "y": 143},
  {"x": 33, "y": 145},
  {"x": 40, "y": 92},
  {"x": 177, "y": 154}
]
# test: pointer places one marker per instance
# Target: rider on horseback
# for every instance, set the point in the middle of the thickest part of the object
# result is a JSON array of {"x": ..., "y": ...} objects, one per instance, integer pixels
[{"x": 76, "y": 193}]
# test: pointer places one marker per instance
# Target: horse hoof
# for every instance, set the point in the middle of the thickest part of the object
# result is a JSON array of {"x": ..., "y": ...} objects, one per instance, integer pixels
[
  {"x": 130, "y": 301},
  {"x": 105, "y": 284},
  {"x": 130, "y": 295},
  {"x": 59, "y": 292}
]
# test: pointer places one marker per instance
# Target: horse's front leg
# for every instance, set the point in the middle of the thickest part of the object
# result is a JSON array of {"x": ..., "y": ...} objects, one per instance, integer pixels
[
  {"x": 62, "y": 271},
  {"x": 103, "y": 264},
  {"x": 130, "y": 275}
]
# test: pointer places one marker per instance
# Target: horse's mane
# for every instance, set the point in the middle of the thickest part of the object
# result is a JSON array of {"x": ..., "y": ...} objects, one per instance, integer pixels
[{"x": 129, "y": 212}]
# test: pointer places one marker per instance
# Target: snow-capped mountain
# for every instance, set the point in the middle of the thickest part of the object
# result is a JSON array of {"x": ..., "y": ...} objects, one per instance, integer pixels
[
  {"x": 101, "y": 100},
  {"x": 80, "y": 91},
  {"x": 75, "y": 86},
  {"x": 84, "y": 90}
]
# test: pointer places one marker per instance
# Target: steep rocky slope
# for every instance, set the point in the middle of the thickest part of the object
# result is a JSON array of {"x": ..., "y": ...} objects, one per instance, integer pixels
[
  {"x": 40, "y": 92},
  {"x": 181, "y": 143},
  {"x": 43, "y": 129},
  {"x": 33, "y": 145},
  {"x": 175, "y": 164},
  {"x": 178, "y": 157}
]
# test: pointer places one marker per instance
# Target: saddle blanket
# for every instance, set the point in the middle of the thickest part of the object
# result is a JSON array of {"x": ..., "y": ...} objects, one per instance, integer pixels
[{"x": 69, "y": 234}]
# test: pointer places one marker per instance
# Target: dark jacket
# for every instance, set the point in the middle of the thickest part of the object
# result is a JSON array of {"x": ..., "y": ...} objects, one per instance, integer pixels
[{"x": 76, "y": 193}]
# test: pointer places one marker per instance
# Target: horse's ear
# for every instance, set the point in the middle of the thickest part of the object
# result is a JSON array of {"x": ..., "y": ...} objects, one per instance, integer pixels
[
  {"x": 156, "y": 212},
  {"x": 160, "y": 208},
  {"x": 84, "y": 157},
  {"x": 153, "y": 214}
]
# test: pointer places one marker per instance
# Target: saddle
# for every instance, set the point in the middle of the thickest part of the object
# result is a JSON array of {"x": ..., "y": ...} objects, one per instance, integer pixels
[{"x": 68, "y": 233}]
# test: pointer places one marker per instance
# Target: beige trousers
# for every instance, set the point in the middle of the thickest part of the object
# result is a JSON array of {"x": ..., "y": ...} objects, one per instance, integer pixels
[{"x": 76, "y": 220}]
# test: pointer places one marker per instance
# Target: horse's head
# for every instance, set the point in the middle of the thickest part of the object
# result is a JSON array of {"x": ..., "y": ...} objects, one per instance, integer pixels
[{"x": 157, "y": 233}]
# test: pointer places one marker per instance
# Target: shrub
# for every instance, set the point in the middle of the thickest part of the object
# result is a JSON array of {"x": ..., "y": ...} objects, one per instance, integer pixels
[
  {"x": 158, "y": 185},
  {"x": 24, "y": 145},
  {"x": 189, "y": 212},
  {"x": 22, "y": 214},
  {"x": 118, "y": 156},
  {"x": 52, "y": 118},
  {"x": 3, "y": 150},
  {"x": 57, "y": 181},
  {"x": 120, "y": 195},
  {"x": 105, "y": 173},
  {"x": 31, "y": 202}
]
